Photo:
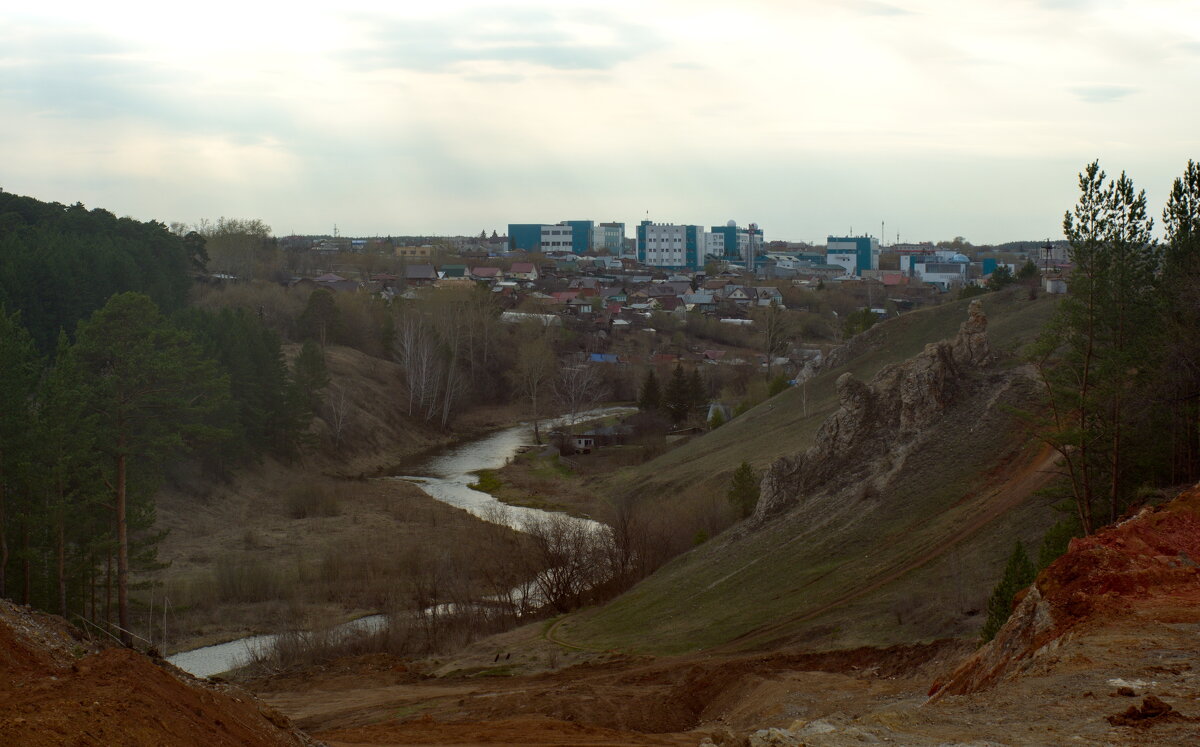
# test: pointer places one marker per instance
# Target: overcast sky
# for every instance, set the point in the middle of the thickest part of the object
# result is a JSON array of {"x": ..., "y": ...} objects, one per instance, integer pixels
[{"x": 939, "y": 117}]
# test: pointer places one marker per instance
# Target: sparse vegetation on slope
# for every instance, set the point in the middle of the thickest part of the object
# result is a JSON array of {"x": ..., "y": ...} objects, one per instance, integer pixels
[{"x": 860, "y": 572}]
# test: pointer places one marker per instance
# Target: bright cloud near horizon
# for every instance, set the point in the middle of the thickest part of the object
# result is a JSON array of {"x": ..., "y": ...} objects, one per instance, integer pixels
[{"x": 940, "y": 118}]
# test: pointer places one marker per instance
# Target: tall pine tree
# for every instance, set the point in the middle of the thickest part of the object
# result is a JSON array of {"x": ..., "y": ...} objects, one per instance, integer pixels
[
  {"x": 1090, "y": 357},
  {"x": 151, "y": 390}
]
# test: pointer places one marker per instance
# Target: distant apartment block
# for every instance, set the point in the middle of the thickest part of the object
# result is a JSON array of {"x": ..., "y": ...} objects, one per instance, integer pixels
[
  {"x": 609, "y": 236},
  {"x": 576, "y": 236},
  {"x": 855, "y": 253},
  {"x": 670, "y": 245},
  {"x": 732, "y": 243}
]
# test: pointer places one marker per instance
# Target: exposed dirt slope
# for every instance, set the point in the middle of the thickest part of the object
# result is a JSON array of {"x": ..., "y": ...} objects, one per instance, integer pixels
[
  {"x": 1146, "y": 563},
  {"x": 57, "y": 689}
]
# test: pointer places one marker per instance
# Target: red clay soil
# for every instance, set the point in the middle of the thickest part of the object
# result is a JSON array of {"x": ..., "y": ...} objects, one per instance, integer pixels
[
  {"x": 57, "y": 689},
  {"x": 1149, "y": 561}
]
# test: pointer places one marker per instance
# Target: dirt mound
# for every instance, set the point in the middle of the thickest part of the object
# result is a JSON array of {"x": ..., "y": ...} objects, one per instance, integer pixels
[
  {"x": 1147, "y": 561},
  {"x": 57, "y": 689},
  {"x": 1153, "y": 711}
]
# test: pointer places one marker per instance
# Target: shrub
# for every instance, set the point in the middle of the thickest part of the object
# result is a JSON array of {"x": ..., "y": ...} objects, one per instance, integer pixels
[
  {"x": 743, "y": 489},
  {"x": 246, "y": 579},
  {"x": 307, "y": 501},
  {"x": 1018, "y": 574},
  {"x": 778, "y": 384}
]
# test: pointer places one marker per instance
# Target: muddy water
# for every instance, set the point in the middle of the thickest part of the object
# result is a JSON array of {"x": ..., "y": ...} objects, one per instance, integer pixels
[{"x": 445, "y": 477}]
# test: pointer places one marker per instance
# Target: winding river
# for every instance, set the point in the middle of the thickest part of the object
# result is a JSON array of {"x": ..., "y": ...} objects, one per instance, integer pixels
[{"x": 445, "y": 477}]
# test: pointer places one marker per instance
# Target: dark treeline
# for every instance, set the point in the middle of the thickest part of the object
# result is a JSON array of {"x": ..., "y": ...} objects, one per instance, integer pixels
[
  {"x": 1118, "y": 363},
  {"x": 107, "y": 380},
  {"x": 58, "y": 264}
]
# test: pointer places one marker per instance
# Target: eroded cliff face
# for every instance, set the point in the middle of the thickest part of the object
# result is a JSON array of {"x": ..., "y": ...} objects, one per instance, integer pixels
[
  {"x": 1143, "y": 568},
  {"x": 877, "y": 423}
]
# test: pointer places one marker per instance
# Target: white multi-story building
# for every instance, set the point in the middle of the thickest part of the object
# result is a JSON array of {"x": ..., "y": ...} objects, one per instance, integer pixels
[
  {"x": 559, "y": 237},
  {"x": 670, "y": 245}
]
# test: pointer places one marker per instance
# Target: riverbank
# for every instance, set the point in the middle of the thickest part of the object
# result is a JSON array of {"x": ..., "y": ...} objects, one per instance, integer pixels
[
  {"x": 285, "y": 549},
  {"x": 292, "y": 549}
]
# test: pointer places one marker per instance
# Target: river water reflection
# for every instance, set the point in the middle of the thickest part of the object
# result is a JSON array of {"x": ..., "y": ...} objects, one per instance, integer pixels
[{"x": 446, "y": 477}]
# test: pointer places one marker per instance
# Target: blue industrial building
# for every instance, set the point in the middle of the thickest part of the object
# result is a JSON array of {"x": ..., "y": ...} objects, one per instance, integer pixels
[
  {"x": 864, "y": 250},
  {"x": 526, "y": 237},
  {"x": 581, "y": 235},
  {"x": 536, "y": 237}
]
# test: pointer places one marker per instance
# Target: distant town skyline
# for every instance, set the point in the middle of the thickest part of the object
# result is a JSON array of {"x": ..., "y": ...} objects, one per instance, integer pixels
[{"x": 810, "y": 118}]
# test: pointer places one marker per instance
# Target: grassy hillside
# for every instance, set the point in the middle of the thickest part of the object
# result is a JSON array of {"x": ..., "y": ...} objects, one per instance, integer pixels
[{"x": 871, "y": 569}]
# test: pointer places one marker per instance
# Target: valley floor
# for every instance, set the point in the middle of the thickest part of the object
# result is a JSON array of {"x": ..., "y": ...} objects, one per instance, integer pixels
[{"x": 1066, "y": 695}]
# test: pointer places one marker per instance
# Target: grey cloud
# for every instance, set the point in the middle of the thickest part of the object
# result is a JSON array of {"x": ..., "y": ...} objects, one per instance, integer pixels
[
  {"x": 1102, "y": 94},
  {"x": 526, "y": 36},
  {"x": 80, "y": 76}
]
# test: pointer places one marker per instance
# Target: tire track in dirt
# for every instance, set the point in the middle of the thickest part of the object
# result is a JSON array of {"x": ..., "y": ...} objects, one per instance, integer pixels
[{"x": 551, "y": 636}]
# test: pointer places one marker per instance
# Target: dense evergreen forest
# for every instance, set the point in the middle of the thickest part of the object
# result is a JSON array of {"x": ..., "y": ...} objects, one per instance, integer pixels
[{"x": 106, "y": 380}]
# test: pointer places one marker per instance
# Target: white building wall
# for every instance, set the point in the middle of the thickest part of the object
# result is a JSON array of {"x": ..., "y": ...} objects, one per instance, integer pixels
[
  {"x": 666, "y": 245},
  {"x": 714, "y": 244},
  {"x": 556, "y": 238},
  {"x": 848, "y": 260}
]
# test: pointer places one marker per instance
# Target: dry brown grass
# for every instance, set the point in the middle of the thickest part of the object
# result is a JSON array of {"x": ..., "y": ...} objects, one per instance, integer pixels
[{"x": 240, "y": 563}]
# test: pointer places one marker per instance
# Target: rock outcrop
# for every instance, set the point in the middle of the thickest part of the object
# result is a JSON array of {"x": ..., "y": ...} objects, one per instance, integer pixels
[{"x": 880, "y": 419}]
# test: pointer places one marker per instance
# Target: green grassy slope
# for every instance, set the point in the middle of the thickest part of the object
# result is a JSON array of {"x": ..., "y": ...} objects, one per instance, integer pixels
[
  {"x": 794, "y": 579},
  {"x": 701, "y": 469}
]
